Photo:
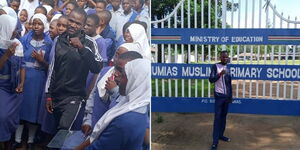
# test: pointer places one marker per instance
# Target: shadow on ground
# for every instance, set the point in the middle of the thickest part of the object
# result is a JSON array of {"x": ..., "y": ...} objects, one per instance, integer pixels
[{"x": 192, "y": 131}]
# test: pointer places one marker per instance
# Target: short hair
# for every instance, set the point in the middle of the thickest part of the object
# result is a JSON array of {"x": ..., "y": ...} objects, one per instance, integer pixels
[
  {"x": 95, "y": 18},
  {"x": 49, "y": 2},
  {"x": 43, "y": 8},
  {"x": 81, "y": 12},
  {"x": 222, "y": 52},
  {"x": 130, "y": 55},
  {"x": 105, "y": 15},
  {"x": 101, "y": 1}
]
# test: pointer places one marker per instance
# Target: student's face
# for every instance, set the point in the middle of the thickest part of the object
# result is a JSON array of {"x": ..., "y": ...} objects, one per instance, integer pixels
[
  {"x": 100, "y": 7},
  {"x": 62, "y": 25},
  {"x": 116, "y": 4},
  {"x": 118, "y": 52},
  {"x": 75, "y": 23},
  {"x": 15, "y": 5},
  {"x": 101, "y": 19},
  {"x": 132, "y": 3},
  {"x": 81, "y": 3},
  {"x": 37, "y": 26},
  {"x": 53, "y": 29},
  {"x": 120, "y": 76},
  {"x": 23, "y": 16},
  {"x": 39, "y": 10},
  {"x": 137, "y": 5},
  {"x": 90, "y": 27},
  {"x": 69, "y": 8},
  {"x": 224, "y": 58},
  {"x": 128, "y": 37},
  {"x": 28, "y": 26},
  {"x": 126, "y": 6}
]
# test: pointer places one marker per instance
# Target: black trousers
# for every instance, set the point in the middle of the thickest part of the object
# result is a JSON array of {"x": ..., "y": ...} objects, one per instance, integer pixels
[
  {"x": 221, "y": 109},
  {"x": 68, "y": 112}
]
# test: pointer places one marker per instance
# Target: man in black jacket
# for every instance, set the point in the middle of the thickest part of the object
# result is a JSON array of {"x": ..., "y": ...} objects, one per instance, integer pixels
[
  {"x": 220, "y": 76},
  {"x": 75, "y": 55}
]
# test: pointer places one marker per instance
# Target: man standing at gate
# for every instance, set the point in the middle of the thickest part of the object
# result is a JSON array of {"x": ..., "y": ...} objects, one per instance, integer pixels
[{"x": 220, "y": 76}]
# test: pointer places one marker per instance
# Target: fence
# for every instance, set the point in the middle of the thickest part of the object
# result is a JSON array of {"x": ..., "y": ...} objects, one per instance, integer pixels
[{"x": 194, "y": 94}]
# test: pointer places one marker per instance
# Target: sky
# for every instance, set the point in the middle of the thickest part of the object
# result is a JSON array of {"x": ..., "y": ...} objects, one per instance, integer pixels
[{"x": 287, "y": 7}]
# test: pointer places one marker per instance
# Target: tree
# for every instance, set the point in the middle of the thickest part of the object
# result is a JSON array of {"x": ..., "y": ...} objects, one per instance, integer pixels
[{"x": 160, "y": 9}]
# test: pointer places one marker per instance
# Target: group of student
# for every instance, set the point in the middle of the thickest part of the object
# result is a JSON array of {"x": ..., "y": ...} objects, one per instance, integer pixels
[{"x": 75, "y": 65}]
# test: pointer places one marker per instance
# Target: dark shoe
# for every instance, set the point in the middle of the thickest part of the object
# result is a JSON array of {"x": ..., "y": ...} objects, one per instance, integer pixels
[
  {"x": 214, "y": 147},
  {"x": 16, "y": 145},
  {"x": 224, "y": 138},
  {"x": 30, "y": 146}
]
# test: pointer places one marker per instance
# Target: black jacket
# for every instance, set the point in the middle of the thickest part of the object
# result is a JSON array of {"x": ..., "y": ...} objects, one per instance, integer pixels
[{"x": 71, "y": 67}]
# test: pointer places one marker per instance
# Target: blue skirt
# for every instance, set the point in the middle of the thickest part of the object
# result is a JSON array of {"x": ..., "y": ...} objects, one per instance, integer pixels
[
  {"x": 33, "y": 94},
  {"x": 9, "y": 113}
]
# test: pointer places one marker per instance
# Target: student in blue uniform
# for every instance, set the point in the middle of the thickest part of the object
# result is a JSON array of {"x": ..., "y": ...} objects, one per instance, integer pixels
[
  {"x": 92, "y": 23},
  {"x": 127, "y": 15},
  {"x": 107, "y": 33},
  {"x": 102, "y": 97},
  {"x": 100, "y": 5},
  {"x": 37, "y": 45},
  {"x": 220, "y": 76},
  {"x": 124, "y": 125},
  {"x": 11, "y": 84}
]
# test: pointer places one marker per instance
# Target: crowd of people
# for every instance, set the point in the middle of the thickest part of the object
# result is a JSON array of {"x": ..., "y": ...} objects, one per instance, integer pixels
[{"x": 75, "y": 65}]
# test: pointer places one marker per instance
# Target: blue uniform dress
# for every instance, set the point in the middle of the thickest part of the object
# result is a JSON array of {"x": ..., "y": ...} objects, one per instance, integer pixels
[
  {"x": 35, "y": 76},
  {"x": 10, "y": 101},
  {"x": 125, "y": 132}
]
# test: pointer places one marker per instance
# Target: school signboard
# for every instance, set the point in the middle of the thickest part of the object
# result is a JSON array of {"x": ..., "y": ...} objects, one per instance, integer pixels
[
  {"x": 225, "y": 36},
  {"x": 237, "y": 71}
]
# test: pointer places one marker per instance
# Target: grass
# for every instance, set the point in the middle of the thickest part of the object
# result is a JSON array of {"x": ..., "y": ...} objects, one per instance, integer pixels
[{"x": 188, "y": 84}]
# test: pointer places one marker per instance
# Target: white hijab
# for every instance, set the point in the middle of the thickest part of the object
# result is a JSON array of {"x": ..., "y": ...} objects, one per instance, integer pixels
[
  {"x": 3, "y": 3},
  {"x": 55, "y": 17},
  {"x": 139, "y": 37},
  {"x": 10, "y": 12},
  {"x": 7, "y": 27},
  {"x": 48, "y": 8},
  {"x": 29, "y": 6},
  {"x": 102, "y": 81},
  {"x": 43, "y": 18},
  {"x": 138, "y": 94},
  {"x": 132, "y": 47}
]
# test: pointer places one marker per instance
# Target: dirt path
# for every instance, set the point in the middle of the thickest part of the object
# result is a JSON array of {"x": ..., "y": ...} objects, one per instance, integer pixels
[{"x": 248, "y": 132}]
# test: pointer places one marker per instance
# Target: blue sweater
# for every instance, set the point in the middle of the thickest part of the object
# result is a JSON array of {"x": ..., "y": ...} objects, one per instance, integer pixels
[{"x": 125, "y": 132}]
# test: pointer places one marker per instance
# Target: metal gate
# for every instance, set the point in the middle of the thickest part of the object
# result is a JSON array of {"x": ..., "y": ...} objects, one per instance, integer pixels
[{"x": 195, "y": 94}]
